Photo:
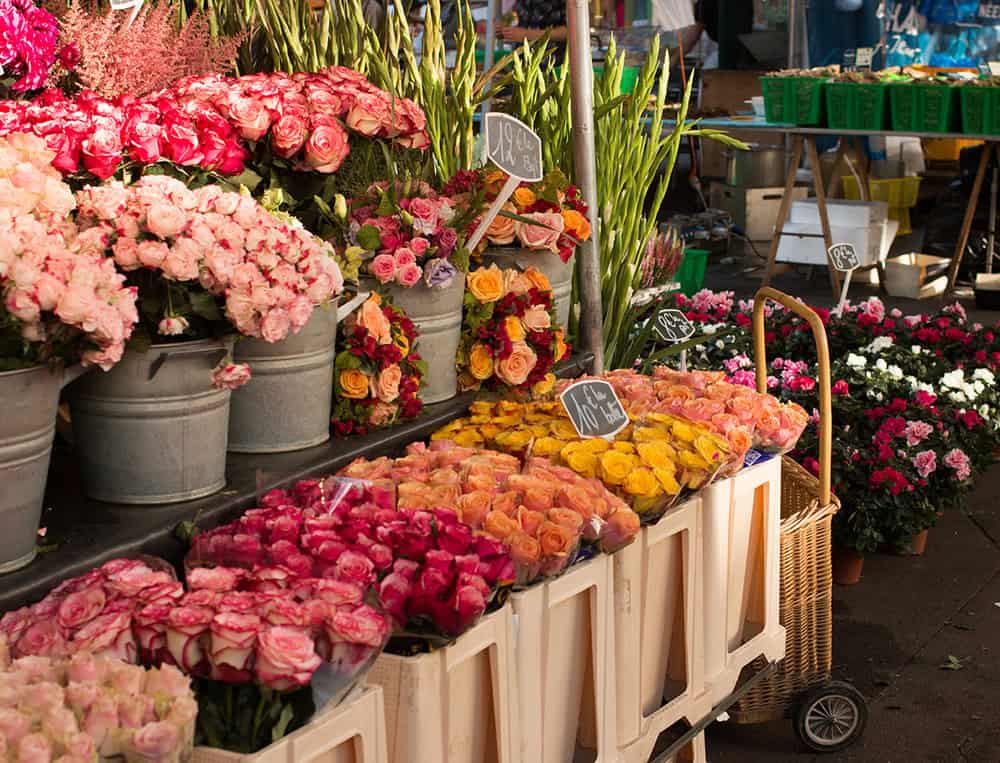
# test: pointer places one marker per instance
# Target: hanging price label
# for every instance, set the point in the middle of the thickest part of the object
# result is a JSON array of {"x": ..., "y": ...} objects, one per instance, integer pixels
[
  {"x": 594, "y": 408},
  {"x": 844, "y": 257},
  {"x": 673, "y": 326}
]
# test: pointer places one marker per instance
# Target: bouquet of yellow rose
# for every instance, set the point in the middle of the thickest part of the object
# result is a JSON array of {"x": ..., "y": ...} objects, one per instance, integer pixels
[
  {"x": 651, "y": 463},
  {"x": 378, "y": 370},
  {"x": 508, "y": 340}
]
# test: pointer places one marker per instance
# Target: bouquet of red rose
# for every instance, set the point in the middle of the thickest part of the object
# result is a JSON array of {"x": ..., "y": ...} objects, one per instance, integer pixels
[
  {"x": 378, "y": 370},
  {"x": 507, "y": 335}
]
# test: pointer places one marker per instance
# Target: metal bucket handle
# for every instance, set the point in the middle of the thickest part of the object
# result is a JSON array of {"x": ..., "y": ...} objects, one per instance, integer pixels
[
  {"x": 823, "y": 358},
  {"x": 217, "y": 353}
]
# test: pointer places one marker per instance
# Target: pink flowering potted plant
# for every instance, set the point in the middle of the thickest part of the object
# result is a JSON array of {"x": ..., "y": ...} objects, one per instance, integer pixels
[
  {"x": 60, "y": 304},
  {"x": 208, "y": 266}
]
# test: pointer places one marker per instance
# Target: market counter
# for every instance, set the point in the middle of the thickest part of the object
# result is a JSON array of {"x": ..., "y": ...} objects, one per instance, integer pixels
[{"x": 82, "y": 533}]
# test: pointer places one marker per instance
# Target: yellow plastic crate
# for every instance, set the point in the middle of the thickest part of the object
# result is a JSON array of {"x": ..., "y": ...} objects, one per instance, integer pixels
[
  {"x": 946, "y": 149},
  {"x": 896, "y": 192}
]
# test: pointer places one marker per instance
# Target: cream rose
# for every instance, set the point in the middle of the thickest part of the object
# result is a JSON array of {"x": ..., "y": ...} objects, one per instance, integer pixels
[{"x": 514, "y": 369}]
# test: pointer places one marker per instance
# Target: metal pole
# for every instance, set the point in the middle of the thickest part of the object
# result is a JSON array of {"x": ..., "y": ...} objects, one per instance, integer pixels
[
  {"x": 992, "y": 229},
  {"x": 588, "y": 257},
  {"x": 491, "y": 39}
]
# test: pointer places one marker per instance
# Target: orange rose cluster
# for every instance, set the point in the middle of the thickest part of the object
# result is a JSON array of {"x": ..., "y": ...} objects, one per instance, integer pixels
[
  {"x": 508, "y": 339},
  {"x": 542, "y": 512}
]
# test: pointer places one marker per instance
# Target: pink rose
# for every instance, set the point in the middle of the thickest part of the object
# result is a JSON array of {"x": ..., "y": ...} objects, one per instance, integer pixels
[
  {"x": 42, "y": 638},
  {"x": 14, "y": 725},
  {"x": 282, "y": 611},
  {"x": 383, "y": 267},
  {"x": 165, "y": 220},
  {"x": 152, "y": 253},
  {"x": 250, "y": 117},
  {"x": 543, "y": 233},
  {"x": 369, "y": 115},
  {"x": 108, "y": 634},
  {"x": 83, "y": 668},
  {"x": 81, "y": 607},
  {"x": 126, "y": 678},
  {"x": 34, "y": 748},
  {"x": 327, "y": 148},
  {"x": 275, "y": 325},
  {"x": 126, "y": 253},
  {"x": 59, "y": 724},
  {"x": 150, "y": 628},
  {"x": 79, "y": 697},
  {"x": 288, "y": 135},
  {"x": 230, "y": 375},
  {"x": 514, "y": 369},
  {"x": 394, "y": 593},
  {"x": 172, "y": 326},
  {"x": 101, "y": 722},
  {"x": 353, "y": 567},
  {"x": 144, "y": 142},
  {"x": 102, "y": 153},
  {"x": 79, "y": 747},
  {"x": 182, "y": 145},
  {"x": 387, "y": 383},
  {"x": 185, "y": 628},
  {"x": 220, "y": 579},
  {"x": 404, "y": 256},
  {"x": 410, "y": 275},
  {"x": 286, "y": 658},
  {"x": 355, "y": 636},
  {"x": 232, "y": 644},
  {"x": 167, "y": 682},
  {"x": 43, "y": 697},
  {"x": 337, "y": 592},
  {"x": 468, "y": 603},
  {"x": 159, "y": 740},
  {"x": 419, "y": 244},
  {"x": 425, "y": 215}
]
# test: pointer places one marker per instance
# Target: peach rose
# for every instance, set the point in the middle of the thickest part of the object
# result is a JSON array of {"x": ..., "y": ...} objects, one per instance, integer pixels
[
  {"x": 529, "y": 520},
  {"x": 353, "y": 384},
  {"x": 567, "y": 518},
  {"x": 555, "y": 540},
  {"x": 506, "y": 502},
  {"x": 499, "y": 525},
  {"x": 514, "y": 369},
  {"x": 486, "y": 284},
  {"x": 536, "y": 318},
  {"x": 524, "y": 549},
  {"x": 481, "y": 362},
  {"x": 371, "y": 317},
  {"x": 474, "y": 507},
  {"x": 542, "y": 232},
  {"x": 538, "y": 279},
  {"x": 387, "y": 384},
  {"x": 501, "y": 230},
  {"x": 576, "y": 225},
  {"x": 515, "y": 282},
  {"x": 515, "y": 331}
]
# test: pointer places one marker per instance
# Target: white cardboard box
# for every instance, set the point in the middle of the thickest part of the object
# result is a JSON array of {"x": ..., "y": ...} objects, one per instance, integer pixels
[
  {"x": 871, "y": 243},
  {"x": 753, "y": 209},
  {"x": 841, "y": 213},
  {"x": 906, "y": 276}
]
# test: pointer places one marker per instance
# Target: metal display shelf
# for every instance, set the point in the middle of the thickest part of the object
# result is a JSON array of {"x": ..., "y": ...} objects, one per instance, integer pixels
[{"x": 86, "y": 533}]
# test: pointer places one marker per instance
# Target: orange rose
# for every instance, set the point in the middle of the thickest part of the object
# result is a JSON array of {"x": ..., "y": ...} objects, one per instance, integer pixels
[
  {"x": 538, "y": 498},
  {"x": 524, "y": 549},
  {"x": 387, "y": 384},
  {"x": 555, "y": 540},
  {"x": 515, "y": 331},
  {"x": 561, "y": 348},
  {"x": 524, "y": 197},
  {"x": 538, "y": 279},
  {"x": 619, "y": 530},
  {"x": 371, "y": 318},
  {"x": 486, "y": 284},
  {"x": 501, "y": 230},
  {"x": 576, "y": 225},
  {"x": 474, "y": 508},
  {"x": 353, "y": 384},
  {"x": 499, "y": 525},
  {"x": 514, "y": 282},
  {"x": 536, "y": 318},
  {"x": 566, "y": 518},
  {"x": 529, "y": 520},
  {"x": 480, "y": 361},
  {"x": 506, "y": 502},
  {"x": 495, "y": 180},
  {"x": 514, "y": 369}
]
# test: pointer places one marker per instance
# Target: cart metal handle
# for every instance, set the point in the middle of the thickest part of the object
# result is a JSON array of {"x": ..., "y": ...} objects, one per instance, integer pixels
[{"x": 823, "y": 358}]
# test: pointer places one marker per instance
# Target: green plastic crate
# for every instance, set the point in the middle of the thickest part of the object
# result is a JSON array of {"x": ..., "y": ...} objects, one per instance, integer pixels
[
  {"x": 691, "y": 273},
  {"x": 856, "y": 106},
  {"x": 923, "y": 107},
  {"x": 793, "y": 100},
  {"x": 980, "y": 110}
]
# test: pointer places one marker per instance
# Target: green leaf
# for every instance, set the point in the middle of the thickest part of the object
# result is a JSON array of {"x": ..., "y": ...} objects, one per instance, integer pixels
[
  {"x": 287, "y": 713},
  {"x": 369, "y": 238},
  {"x": 247, "y": 178},
  {"x": 347, "y": 359},
  {"x": 204, "y": 305},
  {"x": 385, "y": 207}
]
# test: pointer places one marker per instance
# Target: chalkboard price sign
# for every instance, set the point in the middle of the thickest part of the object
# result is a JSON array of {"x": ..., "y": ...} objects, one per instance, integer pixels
[
  {"x": 594, "y": 408},
  {"x": 844, "y": 257},
  {"x": 673, "y": 326},
  {"x": 513, "y": 147}
]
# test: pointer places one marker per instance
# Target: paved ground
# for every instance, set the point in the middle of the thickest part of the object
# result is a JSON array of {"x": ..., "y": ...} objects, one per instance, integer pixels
[{"x": 907, "y": 617}]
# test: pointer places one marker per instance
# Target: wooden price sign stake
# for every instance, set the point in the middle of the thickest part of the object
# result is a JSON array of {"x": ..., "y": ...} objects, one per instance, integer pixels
[
  {"x": 123, "y": 5},
  {"x": 513, "y": 147},
  {"x": 671, "y": 325},
  {"x": 594, "y": 409},
  {"x": 845, "y": 259}
]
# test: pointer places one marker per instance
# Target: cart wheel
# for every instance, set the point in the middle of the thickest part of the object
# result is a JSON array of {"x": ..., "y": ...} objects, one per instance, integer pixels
[{"x": 831, "y": 717}]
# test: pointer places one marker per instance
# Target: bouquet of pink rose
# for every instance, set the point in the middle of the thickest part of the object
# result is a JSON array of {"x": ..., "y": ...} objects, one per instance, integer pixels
[
  {"x": 87, "y": 708},
  {"x": 206, "y": 261},
  {"x": 58, "y": 299},
  {"x": 29, "y": 38}
]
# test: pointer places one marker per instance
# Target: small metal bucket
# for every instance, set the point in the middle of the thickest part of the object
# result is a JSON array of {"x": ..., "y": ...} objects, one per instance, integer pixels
[
  {"x": 559, "y": 273},
  {"x": 286, "y": 404},
  {"x": 153, "y": 429},
  {"x": 30, "y": 401}
]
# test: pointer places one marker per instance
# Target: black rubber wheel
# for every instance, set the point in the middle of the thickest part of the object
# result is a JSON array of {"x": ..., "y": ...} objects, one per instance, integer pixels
[{"x": 830, "y": 717}]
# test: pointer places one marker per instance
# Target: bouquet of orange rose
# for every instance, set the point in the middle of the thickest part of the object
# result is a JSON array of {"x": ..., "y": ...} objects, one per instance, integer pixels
[
  {"x": 378, "y": 370},
  {"x": 508, "y": 339}
]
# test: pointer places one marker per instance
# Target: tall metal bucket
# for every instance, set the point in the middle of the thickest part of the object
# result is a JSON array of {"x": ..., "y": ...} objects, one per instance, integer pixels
[
  {"x": 153, "y": 429},
  {"x": 559, "y": 273},
  {"x": 30, "y": 399},
  {"x": 286, "y": 404}
]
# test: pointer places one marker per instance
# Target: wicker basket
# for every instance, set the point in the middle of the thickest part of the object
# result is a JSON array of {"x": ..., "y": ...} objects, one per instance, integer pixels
[{"x": 807, "y": 508}]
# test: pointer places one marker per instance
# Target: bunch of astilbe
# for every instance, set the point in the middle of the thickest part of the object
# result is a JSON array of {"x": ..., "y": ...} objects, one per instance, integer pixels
[{"x": 147, "y": 55}]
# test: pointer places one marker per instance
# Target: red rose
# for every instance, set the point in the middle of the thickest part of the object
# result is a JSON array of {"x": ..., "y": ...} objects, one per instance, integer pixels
[
  {"x": 102, "y": 153},
  {"x": 234, "y": 158},
  {"x": 327, "y": 148},
  {"x": 394, "y": 593},
  {"x": 286, "y": 658},
  {"x": 144, "y": 142},
  {"x": 354, "y": 567},
  {"x": 181, "y": 145}
]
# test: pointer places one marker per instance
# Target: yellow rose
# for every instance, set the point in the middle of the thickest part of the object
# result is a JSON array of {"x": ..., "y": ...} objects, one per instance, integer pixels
[
  {"x": 711, "y": 448},
  {"x": 544, "y": 386},
  {"x": 615, "y": 467},
  {"x": 657, "y": 454},
  {"x": 354, "y": 384},
  {"x": 486, "y": 284},
  {"x": 514, "y": 439},
  {"x": 648, "y": 434},
  {"x": 624, "y": 447},
  {"x": 402, "y": 343},
  {"x": 563, "y": 429},
  {"x": 581, "y": 462},
  {"x": 596, "y": 445},
  {"x": 667, "y": 481},
  {"x": 494, "y": 180},
  {"x": 684, "y": 431},
  {"x": 481, "y": 361},
  {"x": 539, "y": 430},
  {"x": 524, "y": 197},
  {"x": 576, "y": 225},
  {"x": 560, "y": 350},
  {"x": 692, "y": 460},
  {"x": 489, "y": 431},
  {"x": 468, "y": 438},
  {"x": 641, "y": 482},
  {"x": 547, "y": 446},
  {"x": 515, "y": 331},
  {"x": 538, "y": 279},
  {"x": 481, "y": 408}
]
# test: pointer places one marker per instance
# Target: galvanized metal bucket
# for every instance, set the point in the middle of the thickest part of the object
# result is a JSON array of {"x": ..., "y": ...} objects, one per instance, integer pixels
[
  {"x": 30, "y": 400},
  {"x": 559, "y": 273},
  {"x": 286, "y": 404},
  {"x": 153, "y": 429},
  {"x": 437, "y": 315}
]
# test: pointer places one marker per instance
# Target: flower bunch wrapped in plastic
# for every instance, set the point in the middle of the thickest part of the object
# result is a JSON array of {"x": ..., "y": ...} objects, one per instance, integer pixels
[
  {"x": 29, "y": 37},
  {"x": 87, "y": 708},
  {"x": 60, "y": 300},
  {"x": 378, "y": 369},
  {"x": 508, "y": 339}
]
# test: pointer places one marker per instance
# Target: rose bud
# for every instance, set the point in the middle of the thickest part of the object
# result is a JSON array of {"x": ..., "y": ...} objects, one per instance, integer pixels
[
  {"x": 14, "y": 725},
  {"x": 134, "y": 711},
  {"x": 469, "y": 563},
  {"x": 81, "y": 607},
  {"x": 40, "y": 698},
  {"x": 434, "y": 582},
  {"x": 83, "y": 668},
  {"x": 468, "y": 603},
  {"x": 150, "y": 628},
  {"x": 285, "y": 611},
  {"x": 393, "y": 593},
  {"x": 337, "y": 592},
  {"x": 217, "y": 579},
  {"x": 354, "y": 567},
  {"x": 158, "y": 741},
  {"x": 285, "y": 658},
  {"x": 620, "y": 529},
  {"x": 100, "y": 724},
  {"x": 185, "y": 628},
  {"x": 34, "y": 748},
  {"x": 437, "y": 559},
  {"x": 79, "y": 697}
]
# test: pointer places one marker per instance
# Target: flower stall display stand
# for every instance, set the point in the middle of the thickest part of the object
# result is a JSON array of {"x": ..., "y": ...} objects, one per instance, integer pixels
[
  {"x": 153, "y": 429},
  {"x": 658, "y": 605},
  {"x": 352, "y": 732},
  {"x": 565, "y": 652},
  {"x": 559, "y": 273},
  {"x": 740, "y": 568},
  {"x": 455, "y": 704}
]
